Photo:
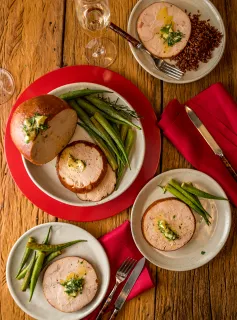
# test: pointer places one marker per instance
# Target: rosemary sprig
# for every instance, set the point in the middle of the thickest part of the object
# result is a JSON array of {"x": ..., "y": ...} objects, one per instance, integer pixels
[{"x": 124, "y": 110}]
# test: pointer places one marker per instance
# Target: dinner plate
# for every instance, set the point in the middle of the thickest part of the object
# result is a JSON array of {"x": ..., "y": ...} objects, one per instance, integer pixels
[
  {"x": 116, "y": 82},
  {"x": 206, "y": 242},
  {"x": 45, "y": 176},
  {"x": 91, "y": 250},
  {"x": 207, "y": 11}
]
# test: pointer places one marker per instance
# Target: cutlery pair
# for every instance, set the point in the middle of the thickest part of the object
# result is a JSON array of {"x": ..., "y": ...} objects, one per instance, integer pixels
[
  {"x": 160, "y": 64},
  {"x": 121, "y": 275}
]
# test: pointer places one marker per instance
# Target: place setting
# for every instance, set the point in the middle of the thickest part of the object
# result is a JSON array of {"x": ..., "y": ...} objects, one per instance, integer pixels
[{"x": 83, "y": 143}]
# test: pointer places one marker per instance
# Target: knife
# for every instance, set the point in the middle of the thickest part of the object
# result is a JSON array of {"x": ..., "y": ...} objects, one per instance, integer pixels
[
  {"x": 210, "y": 140},
  {"x": 128, "y": 287}
]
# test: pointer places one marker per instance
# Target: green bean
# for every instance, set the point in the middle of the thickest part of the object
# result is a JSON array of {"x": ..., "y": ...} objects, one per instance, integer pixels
[
  {"x": 36, "y": 272},
  {"x": 25, "y": 257},
  {"x": 46, "y": 240},
  {"x": 110, "y": 157},
  {"x": 113, "y": 134},
  {"x": 128, "y": 146},
  {"x": 188, "y": 195},
  {"x": 80, "y": 93},
  {"x": 91, "y": 110},
  {"x": 85, "y": 118},
  {"x": 22, "y": 274},
  {"x": 105, "y": 107},
  {"x": 124, "y": 130},
  {"x": 52, "y": 247},
  {"x": 27, "y": 277},
  {"x": 105, "y": 133},
  {"x": 200, "y": 193},
  {"x": 50, "y": 257},
  {"x": 180, "y": 196}
]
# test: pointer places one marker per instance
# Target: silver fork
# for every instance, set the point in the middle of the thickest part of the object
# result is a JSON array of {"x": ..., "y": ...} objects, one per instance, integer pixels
[
  {"x": 160, "y": 64},
  {"x": 121, "y": 275}
]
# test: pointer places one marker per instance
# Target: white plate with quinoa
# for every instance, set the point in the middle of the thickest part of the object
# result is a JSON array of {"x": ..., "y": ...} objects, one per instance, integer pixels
[
  {"x": 206, "y": 242},
  {"x": 207, "y": 11}
]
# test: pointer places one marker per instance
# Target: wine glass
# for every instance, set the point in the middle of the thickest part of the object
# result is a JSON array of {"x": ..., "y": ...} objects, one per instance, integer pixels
[
  {"x": 94, "y": 17},
  {"x": 7, "y": 86}
]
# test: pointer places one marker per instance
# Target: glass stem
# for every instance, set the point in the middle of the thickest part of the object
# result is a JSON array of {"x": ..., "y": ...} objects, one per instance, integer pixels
[{"x": 100, "y": 49}]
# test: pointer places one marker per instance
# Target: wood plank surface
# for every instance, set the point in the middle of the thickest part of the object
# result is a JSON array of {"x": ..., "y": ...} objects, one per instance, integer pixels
[{"x": 41, "y": 35}]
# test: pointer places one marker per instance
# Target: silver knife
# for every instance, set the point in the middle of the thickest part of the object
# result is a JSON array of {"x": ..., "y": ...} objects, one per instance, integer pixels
[
  {"x": 210, "y": 140},
  {"x": 127, "y": 287}
]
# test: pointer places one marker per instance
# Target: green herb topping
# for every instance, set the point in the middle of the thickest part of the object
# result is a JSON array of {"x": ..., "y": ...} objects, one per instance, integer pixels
[
  {"x": 203, "y": 252},
  {"x": 76, "y": 163},
  {"x": 166, "y": 230},
  {"x": 73, "y": 286},
  {"x": 32, "y": 126},
  {"x": 170, "y": 36}
]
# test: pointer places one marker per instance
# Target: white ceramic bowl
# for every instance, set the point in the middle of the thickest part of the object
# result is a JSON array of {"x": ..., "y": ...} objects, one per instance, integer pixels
[
  {"x": 91, "y": 250},
  {"x": 45, "y": 176},
  {"x": 207, "y": 11},
  {"x": 208, "y": 239}
]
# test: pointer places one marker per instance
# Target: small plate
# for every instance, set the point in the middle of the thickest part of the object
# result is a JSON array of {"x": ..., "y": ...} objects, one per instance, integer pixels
[
  {"x": 209, "y": 239},
  {"x": 92, "y": 251},
  {"x": 45, "y": 176},
  {"x": 207, "y": 11}
]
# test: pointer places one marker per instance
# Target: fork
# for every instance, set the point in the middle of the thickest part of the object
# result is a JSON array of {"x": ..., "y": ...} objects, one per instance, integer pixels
[
  {"x": 160, "y": 64},
  {"x": 121, "y": 275}
]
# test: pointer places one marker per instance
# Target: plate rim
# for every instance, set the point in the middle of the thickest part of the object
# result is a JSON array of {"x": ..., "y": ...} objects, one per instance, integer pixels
[
  {"x": 91, "y": 203},
  {"x": 212, "y": 256},
  {"x": 8, "y": 276},
  {"x": 157, "y": 76}
]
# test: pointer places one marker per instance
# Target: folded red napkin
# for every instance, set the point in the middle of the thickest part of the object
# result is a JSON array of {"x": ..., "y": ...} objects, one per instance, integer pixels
[
  {"x": 218, "y": 112},
  {"x": 119, "y": 245}
]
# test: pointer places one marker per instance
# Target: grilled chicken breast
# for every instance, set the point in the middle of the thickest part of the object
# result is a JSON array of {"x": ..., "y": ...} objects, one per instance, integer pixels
[
  {"x": 81, "y": 166},
  {"x": 176, "y": 215},
  {"x": 151, "y": 24},
  {"x": 105, "y": 188},
  {"x": 62, "y": 271},
  {"x": 41, "y": 127}
]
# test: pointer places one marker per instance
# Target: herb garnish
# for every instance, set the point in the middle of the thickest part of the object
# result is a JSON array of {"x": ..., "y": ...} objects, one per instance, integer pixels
[
  {"x": 32, "y": 126},
  {"x": 73, "y": 286},
  {"x": 203, "y": 252},
  {"x": 166, "y": 230},
  {"x": 170, "y": 36}
]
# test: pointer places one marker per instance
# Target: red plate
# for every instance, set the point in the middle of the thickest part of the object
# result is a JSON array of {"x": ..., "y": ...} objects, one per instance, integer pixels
[{"x": 139, "y": 102}]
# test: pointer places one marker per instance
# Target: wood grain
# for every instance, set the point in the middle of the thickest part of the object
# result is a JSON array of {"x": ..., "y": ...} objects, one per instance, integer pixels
[{"x": 40, "y": 36}]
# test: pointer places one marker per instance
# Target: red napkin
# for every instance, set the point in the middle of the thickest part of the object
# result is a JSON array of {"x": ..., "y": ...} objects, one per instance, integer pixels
[
  {"x": 119, "y": 245},
  {"x": 218, "y": 112}
]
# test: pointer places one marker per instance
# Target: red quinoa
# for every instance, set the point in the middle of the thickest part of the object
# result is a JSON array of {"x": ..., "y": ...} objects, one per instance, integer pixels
[{"x": 203, "y": 40}]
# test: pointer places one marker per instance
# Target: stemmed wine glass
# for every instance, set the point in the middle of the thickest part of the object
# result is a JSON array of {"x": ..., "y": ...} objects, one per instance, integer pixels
[
  {"x": 94, "y": 17},
  {"x": 7, "y": 86}
]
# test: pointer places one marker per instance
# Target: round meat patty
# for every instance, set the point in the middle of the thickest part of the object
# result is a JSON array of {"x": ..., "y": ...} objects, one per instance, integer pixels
[
  {"x": 153, "y": 19},
  {"x": 63, "y": 270},
  {"x": 77, "y": 178},
  {"x": 178, "y": 217},
  {"x": 105, "y": 188}
]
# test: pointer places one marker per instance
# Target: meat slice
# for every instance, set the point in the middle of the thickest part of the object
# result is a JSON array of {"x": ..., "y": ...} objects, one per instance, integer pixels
[
  {"x": 65, "y": 269},
  {"x": 94, "y": 166},
  {"x": 60, "y": 124},
  {"x": 153, "y": 19},
  {"x": 105, "y": 188},
  {"x": 179, "y": 218}
]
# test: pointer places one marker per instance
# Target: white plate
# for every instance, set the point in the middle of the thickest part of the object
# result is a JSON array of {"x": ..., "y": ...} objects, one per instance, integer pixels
[
  {"x": 208, "y": 239},
  {"x": 92, "y": 251},
  {"x": 207, "y": 10},
  {"x": 45, "y": 176}
]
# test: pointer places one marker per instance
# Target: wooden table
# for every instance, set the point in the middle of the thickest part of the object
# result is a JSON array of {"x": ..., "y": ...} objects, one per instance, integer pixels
[{"x": 38, "y": 36}]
